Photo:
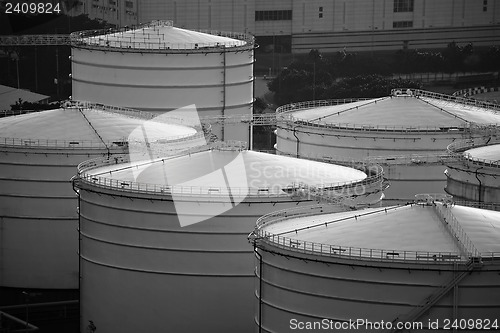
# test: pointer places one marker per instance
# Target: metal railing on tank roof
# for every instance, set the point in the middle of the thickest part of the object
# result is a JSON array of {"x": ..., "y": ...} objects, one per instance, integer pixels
[
  {"x": 285, "y": 113},
  {"x": 119, "y": 142},
  {"x": 444, "y": 97},
  {"x": 294, "y": 121},
  {"x": 150, "y": 39},
  {"x": 63, "y": 144},
  {"x": 298, "y": 106},
  {"x": 457, "y": 150},
  {"x": 337, "y": 190},
  {"x": 348, "y": 252},
  {"x": 133, "y": 113}
]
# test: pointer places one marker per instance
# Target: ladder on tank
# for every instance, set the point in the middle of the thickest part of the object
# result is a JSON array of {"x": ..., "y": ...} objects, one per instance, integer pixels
[
  {"x": 467, "y": 248},
  {"x": 431, "y": 300}
]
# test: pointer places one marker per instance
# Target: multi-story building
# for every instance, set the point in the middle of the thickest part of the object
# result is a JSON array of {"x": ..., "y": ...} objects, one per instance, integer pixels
[{"x": 328, "y": 25}]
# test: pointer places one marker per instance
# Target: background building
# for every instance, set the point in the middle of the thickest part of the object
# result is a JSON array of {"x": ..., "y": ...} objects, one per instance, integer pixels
[{"x": 328, "y": 25}]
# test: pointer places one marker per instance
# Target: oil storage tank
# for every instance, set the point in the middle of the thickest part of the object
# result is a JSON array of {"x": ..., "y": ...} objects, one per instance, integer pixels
[
  {"x": 474, "y": 173},
  {"x": 419, "y": 266},
  {"x": 164, "y": 244},
  {"x": 39, "y": 153},
  {"x": 157, "y": 67},
  {"x": 407, "y": 133}
]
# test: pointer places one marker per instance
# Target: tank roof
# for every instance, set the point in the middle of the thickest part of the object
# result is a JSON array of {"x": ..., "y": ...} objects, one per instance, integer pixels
[
  {"x": 481, "y": 225},
  {"x": 413, "y": 228},
  {"x": 489, "y": 153},
  {"x": 84, "y": 125},
  {"x": 402, "y": 111},
  {"x": 160, "y": 35},
  {"x": 212, "y": 169}
]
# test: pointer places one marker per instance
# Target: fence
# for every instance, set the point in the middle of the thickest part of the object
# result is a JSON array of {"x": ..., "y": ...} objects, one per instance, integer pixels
[
  {"x": 260, "y": 235},
  {"x": 149, "y": 38},
  {"x": 456, "y": 149},
  {"x": 337, "y": 189}
]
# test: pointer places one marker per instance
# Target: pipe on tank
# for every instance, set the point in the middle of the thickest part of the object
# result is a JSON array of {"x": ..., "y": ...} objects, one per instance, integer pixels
[
  {"x": 77, "y": 192},
  {"x": 223, "y": 90},
  {"x": 298, "y": 142},
  {"x": 480, "y": 189},
  {"x": 260, "y": 285}
]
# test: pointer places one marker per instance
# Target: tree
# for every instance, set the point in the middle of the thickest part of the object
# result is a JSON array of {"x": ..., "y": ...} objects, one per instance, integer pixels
[{"x": 32, "y": 106}]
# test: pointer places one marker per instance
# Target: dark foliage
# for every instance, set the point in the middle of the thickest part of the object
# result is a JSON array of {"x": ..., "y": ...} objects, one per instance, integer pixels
[
  {"x": 345, "y": 75},
  {"x": 20, "y": 105},
  {"x": 40, "y": 67}
]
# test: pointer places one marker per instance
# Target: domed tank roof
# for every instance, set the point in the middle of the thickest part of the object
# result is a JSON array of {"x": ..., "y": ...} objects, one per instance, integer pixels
[
  {"x": 263, "y": 172},
  {"x": 84, "y": 125},
  {"x": 161, "y": 35},
  {"x": 489, "y": 153},
  {"x": 412, "y": 228},
  {"x": 399, "y": 111}
]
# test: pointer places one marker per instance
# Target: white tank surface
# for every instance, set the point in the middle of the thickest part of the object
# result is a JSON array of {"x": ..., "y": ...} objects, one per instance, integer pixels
[
  {"x": 407, "y": 133},
  {"x": 474, "y": 174},
  {"x": 429, "y": 263},
  {"x": 164, "y": 244},
  {"x": 40, "y": 153},
  {"x": 157, "y": 67}
]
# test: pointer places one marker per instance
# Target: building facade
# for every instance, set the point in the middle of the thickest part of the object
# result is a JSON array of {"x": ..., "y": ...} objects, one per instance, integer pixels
[{"x": 328, "y": 25}]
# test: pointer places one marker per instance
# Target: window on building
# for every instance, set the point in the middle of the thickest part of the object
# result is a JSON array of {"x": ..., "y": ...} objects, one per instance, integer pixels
[
  {"x": 320, "y": 15},
  {"x": 129, "y": 4},
  {"x": 485, "y": 5},
  {"x": 402, "y": 24},
  {"x": 273, "y": 15},
  {"x": 112, "y": 2},
  {"x": 403, "y": 6}
]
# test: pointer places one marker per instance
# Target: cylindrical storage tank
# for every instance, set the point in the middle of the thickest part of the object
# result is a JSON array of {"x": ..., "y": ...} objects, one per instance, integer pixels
[
  {"x": 474, "y": 173},
  {"x": 157, "y": 67},
  {"x": 406, "y": 133},
  {"x": 427, "y": 263},
  {"x": 40, "y": 153},
  {"x": 164, "y": 245}
]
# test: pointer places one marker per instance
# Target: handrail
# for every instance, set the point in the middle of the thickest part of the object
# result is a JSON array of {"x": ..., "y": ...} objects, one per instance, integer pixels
[
  {"x": 68, "y": 144},
  {"x": 457, "y": 232},
  {"x": 87, "y": 39},
  {"x": 133, "y": 113},
  {"x": 410, "y": 159},
  {"x": 285, "y": 115},
  {"x": 373, "y": 179},
  {"x": 350, "y": 252},
  {"x": 288, "y": 119},
  {"x": 297, "y": 106},
  {"x": 444, "y": 97},
  {"x": 30, "y": 40},
  {"x": 458, "y": 151},
  {"x": 118, "y": 142}
]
